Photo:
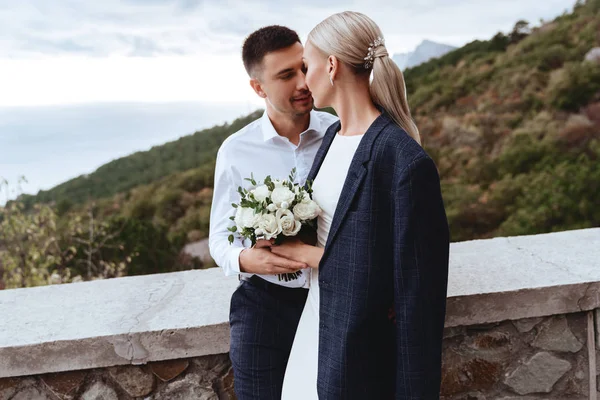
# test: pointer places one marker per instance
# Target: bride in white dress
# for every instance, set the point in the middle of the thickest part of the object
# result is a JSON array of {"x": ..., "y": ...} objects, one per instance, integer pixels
[
  {"x": 300, "y": 380},
  {"x": 353, "y": 103},
  {"x": 348, "y": 68}
]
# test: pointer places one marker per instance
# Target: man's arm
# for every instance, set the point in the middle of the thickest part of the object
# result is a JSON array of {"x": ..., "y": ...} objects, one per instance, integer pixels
[
  {"x": 420, "y": 280},
  {"x": 225, "y": 193},
  {"x": 235, "y": 258}
]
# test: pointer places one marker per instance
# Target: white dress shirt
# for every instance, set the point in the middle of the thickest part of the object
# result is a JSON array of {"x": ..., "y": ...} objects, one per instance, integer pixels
[{"x": 258, "y": 149}]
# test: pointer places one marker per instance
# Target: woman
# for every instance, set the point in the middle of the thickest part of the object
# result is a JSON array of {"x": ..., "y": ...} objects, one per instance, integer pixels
[{"x": 382, "y": 237}]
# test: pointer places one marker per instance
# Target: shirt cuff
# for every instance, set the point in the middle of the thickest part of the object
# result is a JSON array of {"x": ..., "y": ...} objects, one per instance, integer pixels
[{"x": 234, "y": 261}]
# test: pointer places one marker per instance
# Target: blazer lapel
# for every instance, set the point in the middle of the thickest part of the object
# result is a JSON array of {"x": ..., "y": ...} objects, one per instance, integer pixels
[
  {"x": 322, "y": 152},
  {"x": 355, "y": 177}
]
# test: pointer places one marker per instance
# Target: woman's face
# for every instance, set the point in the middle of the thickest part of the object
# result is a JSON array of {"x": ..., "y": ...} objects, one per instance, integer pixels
[{"x": 317, "y": 75}]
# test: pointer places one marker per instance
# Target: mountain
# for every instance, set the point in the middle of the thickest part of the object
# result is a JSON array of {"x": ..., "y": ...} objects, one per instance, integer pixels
[{"x": 423, "y": 53}]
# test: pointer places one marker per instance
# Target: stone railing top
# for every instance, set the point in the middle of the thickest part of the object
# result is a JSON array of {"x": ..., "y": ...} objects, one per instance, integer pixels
[
  {"x": 135, "y": 320},
  {"x": 114, "y": 322},
  {"x": 523, "y": 277},
  {"x": 508, "y": 264}
]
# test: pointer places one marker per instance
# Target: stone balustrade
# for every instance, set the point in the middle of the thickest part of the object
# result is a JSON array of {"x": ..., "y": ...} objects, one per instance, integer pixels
[{"x": 523, "y": 322}]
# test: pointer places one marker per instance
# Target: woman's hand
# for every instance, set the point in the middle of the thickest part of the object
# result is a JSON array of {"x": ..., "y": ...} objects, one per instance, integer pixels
[
  {"x": 263, "y": 243},
  {"x": 294, "y": 249}
]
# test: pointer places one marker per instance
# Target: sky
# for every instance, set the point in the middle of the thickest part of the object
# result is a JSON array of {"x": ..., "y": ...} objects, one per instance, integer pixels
[
  {"x": 110, "y": 56},
  {"x": 81, "y": 51}
]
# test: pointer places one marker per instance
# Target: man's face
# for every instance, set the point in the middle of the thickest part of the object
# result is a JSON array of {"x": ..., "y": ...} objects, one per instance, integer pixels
[{"x": 281, "y": 82}]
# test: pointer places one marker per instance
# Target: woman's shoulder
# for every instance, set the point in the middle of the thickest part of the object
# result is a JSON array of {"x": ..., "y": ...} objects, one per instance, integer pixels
[{"x": 395, "y": 144}]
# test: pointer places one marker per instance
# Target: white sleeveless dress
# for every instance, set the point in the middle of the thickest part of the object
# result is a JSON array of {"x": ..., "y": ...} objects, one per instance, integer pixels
[{"x": 300, "y": 381}]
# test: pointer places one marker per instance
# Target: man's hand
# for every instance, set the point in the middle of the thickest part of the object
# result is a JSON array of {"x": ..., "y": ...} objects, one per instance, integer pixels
[{"x": 260, "y": 260}]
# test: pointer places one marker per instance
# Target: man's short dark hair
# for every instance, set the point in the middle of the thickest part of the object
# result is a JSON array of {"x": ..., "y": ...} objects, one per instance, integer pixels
[{"x": 263, "y": 41}]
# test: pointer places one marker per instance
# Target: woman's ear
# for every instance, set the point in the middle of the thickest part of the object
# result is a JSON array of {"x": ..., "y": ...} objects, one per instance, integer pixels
[{"x": 332, "y": 66}]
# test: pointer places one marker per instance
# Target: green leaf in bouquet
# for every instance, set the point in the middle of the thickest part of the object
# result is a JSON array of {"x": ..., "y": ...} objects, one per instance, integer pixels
[
  {"x": 246, "y": 203},
  {"x": 251, "y": 179},
  {"x": 232, "y": 218},
  {"x": 234, "y": 205},
  {"x": 309, "y": 189},
  {"x": 269, "y": 183},
  {"x": 312, "y": 223},
  {"x": 232, "y": 229},
  {"x": 230, "y": 238}
]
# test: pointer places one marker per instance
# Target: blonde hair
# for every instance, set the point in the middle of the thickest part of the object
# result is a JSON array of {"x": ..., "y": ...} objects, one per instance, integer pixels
[{"x": 348, "y": 36}]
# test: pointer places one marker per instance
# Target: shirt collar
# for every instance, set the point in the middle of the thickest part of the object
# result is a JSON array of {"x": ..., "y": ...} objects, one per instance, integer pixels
[{"x": 269, "y": 132}]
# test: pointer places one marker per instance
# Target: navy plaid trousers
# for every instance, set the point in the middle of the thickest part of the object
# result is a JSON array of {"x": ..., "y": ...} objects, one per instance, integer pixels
[{"x": 263, "y": 320}]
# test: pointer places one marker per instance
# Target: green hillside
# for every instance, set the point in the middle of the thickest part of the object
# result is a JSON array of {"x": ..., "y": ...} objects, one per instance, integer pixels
[
  {"x": 144, "y": 167},
  {"x": 514, "y": 125}
]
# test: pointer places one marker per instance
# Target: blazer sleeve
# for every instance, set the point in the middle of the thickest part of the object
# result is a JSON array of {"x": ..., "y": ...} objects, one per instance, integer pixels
[{"x": 421, "y": 250}]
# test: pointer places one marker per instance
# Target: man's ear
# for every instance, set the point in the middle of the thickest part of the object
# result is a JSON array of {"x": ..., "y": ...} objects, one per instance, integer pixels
[{"x": 256, "y": 85}]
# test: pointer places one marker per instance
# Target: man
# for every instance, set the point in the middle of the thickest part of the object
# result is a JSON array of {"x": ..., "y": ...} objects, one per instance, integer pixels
[{"x": 265, "y": 310}]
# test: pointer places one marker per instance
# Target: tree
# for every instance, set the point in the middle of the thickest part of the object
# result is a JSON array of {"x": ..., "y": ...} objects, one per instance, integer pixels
[
  {"x": 30, "y": 250},
  {"x": 37, "y": 249},
  {"x": 520, "y": 31},
  {"x": 99, "y": 255}
]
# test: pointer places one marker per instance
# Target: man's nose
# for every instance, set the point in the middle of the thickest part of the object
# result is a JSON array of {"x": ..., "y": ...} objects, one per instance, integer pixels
[{"x": 301, "y": 82}]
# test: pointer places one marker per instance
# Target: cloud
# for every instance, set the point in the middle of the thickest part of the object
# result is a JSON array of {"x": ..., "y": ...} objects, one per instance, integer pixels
[
  {"x": 72, "y": 51},
  {"x": 30, "y": 28},
  {"x": 100, "y": 29}
]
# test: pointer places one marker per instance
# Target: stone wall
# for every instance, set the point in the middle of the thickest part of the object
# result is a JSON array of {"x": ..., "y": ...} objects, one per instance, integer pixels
[
  {"x": 522, "y": 322},
  {"x": 534, "y": 358},
  {"x": 202, "y": 378}
]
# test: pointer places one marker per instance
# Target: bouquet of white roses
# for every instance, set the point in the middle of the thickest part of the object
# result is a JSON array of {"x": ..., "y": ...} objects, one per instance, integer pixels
[{"x": 273, "y": 209}]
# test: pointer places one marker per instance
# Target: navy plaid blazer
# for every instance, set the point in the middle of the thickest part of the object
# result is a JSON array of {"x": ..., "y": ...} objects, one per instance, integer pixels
[{"x": 387, "y": 248}]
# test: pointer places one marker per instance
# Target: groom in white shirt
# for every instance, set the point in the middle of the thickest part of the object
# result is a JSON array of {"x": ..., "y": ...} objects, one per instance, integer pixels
[{"x": 265, "y": 310}]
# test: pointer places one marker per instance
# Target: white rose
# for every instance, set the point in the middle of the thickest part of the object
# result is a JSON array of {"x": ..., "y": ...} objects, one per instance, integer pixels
[
  {"x": 307, "y": 210},
  {"x": 261, "y": 193},
  {"x": 285, "y": 205},
  {"x": 267, "y": 223},
  {"x": 245, "y": 218},
  {"x": 288, "y": 224},
  {"x": 282, "y": 194},
  {"x": 278, "y": 184},
  {"x": 272, "y": 207}
]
